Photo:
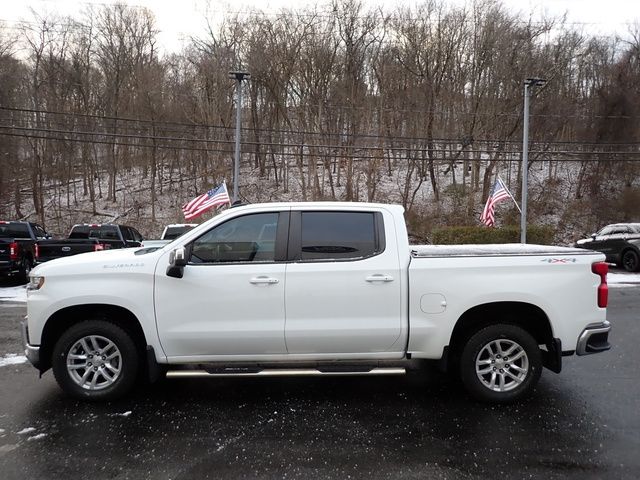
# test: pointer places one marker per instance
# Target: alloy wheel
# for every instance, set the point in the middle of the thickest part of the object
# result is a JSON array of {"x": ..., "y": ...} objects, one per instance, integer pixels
[
  {"x": 502, "y": 365},
  {"x": 94, "y": 362}
]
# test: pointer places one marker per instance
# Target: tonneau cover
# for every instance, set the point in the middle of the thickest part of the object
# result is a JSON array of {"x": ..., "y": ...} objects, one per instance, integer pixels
[{"x": 418, "y": 251}]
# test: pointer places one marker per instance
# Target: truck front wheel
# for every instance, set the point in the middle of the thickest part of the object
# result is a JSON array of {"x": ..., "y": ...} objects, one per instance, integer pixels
[
  {"x": 95, "y": 360},
  {"x": 500, "y": 363}
]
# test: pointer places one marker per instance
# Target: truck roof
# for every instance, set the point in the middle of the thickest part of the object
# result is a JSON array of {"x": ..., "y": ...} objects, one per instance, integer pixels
[{"x": 346, "y": 205}]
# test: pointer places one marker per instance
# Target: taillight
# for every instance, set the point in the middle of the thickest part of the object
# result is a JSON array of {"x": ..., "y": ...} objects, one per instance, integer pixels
[
  {"x": 98, "y": 246},
  {"x": 601, "y": 269},
  {"x": 37, "y": 251},
  {"x": 14, "y": 248}
]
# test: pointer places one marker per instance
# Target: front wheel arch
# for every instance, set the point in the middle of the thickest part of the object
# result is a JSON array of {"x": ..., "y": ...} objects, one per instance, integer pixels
[{"x": 65, "y": 318}]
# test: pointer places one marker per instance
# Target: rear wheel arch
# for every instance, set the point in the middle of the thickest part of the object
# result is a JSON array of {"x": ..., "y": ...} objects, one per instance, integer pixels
[
  {"x": 527, "y": 316},
  {"x": 63, "y": 319}
]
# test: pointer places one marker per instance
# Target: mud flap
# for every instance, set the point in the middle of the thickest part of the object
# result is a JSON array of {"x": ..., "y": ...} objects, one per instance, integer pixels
[
  {"x": 552, "y": 355},
  {"x": 154, "y": 371}
]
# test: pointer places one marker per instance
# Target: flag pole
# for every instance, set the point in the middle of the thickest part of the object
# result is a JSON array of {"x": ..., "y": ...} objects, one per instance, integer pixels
[{"x": 510, "y": 194}]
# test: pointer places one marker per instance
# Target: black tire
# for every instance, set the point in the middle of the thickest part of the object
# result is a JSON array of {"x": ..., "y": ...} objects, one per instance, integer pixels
[
  {"x": 114, "y": 369},
  {"x": 25, "y": 269},
  {"x": 631, "y": 261},
  {"x": 483, "y": 364}
]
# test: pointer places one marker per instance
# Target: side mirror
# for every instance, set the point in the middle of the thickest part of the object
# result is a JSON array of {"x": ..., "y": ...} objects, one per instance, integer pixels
[
  {"x": 177, "y": 262},
  {"x": 593, "y": 236}
]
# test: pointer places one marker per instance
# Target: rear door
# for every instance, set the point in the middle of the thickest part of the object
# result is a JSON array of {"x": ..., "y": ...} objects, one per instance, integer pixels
[{"x": 343, "y": 292}]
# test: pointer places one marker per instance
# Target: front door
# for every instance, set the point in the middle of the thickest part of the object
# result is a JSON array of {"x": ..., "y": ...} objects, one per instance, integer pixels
[{"x": 230, "y": 300}]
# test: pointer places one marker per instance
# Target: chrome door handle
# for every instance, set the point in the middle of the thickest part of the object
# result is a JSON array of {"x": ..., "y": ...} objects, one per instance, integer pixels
[
  {"x": 379, "y": 278},
  {"x": 263, "y": 281}
]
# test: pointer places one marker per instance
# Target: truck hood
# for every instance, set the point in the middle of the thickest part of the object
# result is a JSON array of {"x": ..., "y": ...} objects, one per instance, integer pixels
[{"x": 125, "y": 259}]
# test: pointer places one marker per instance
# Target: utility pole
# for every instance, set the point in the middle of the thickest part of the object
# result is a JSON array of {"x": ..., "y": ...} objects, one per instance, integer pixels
[
  {"x": 238, "y": 77},
  {"x": 529, "y": 85}
]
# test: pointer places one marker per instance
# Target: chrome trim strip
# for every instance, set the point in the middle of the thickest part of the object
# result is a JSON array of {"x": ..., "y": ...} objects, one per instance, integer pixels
[
  {"x": 586, "y": 334},
  {"x": 283, "y": 373}
]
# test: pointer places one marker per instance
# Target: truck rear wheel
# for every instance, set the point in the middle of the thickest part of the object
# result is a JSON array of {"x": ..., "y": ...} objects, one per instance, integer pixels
[
  {"x": 95, "y": 360},
  {"x": 500, "y": 363},
  {"x": 25, "y": 269}
]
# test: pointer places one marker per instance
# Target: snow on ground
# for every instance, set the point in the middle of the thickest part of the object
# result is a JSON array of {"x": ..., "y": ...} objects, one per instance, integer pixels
[
  {"x": 13, "y": 294},
  {"x": 26, "y": 430},
  {"x": 620, "y": 279},
  {"x": 12, "y": 359}
]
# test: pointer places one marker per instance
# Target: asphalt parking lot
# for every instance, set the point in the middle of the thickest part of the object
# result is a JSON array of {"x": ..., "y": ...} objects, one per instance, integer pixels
[{"x": 583, "y": 423}]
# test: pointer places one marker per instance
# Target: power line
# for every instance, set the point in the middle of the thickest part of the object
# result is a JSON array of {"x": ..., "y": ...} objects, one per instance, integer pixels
[
  {"x": 305, "y": 133},
  {"x": 298, "y": 145},
  {"x": 329, "y": 155}
]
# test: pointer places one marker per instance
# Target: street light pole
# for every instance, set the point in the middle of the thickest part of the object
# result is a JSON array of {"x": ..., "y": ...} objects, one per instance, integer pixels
[
  {"x": 239, "y": 77},
  {"x": 529, "y": 84}
]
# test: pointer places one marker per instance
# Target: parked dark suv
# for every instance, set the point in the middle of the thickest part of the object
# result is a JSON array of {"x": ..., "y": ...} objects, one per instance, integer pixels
[{"x": 620, "y": 242}]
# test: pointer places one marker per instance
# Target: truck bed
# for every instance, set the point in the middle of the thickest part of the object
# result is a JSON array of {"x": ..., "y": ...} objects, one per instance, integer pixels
[{"x": 489, "y": 250}]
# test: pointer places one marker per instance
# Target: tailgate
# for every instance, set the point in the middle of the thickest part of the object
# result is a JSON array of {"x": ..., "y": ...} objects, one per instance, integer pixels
[{"x": 4, "y": 250}]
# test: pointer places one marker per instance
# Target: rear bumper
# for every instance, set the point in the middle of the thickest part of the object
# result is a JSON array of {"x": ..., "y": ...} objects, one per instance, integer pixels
[
  {"x": 594, "y": 339},
  {"x": 32, "y": 352}
]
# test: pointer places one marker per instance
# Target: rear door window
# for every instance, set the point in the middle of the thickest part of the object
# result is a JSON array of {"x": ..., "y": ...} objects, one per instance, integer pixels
[{"x": 338, "y": 236}]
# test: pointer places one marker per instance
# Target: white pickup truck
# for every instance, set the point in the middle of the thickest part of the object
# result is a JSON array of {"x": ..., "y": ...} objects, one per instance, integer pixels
[{"x": 314, "y": 288}]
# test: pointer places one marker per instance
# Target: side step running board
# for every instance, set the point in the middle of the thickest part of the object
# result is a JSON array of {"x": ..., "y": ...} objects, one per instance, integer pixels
[{"x": 284, "y": 373}]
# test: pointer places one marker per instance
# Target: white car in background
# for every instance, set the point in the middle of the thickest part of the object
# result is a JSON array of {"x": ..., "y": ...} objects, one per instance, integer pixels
[{"x": 169, "y": 234}]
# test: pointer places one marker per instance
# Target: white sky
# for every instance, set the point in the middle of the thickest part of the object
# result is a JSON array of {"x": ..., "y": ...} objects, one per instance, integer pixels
[{"x": 178, "y": 19}]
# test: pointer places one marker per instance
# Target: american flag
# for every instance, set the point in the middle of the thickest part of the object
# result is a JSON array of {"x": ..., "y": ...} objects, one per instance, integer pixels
[
  {"x": 498, "y": 194},
  {"x": 206, "y": 201}
]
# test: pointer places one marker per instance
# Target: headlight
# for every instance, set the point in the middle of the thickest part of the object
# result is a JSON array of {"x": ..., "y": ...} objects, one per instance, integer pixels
[{"x": 35, "y": 283}]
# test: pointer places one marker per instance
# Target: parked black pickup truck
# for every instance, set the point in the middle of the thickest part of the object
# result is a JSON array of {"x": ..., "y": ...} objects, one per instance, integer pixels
[
  {"x": 86, "y": 237},
  {"x": 19, "y": 247}
]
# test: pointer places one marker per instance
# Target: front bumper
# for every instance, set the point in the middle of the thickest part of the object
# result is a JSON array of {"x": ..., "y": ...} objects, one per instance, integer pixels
[
  {"x": 594, "y": 339},
  {"x": 31, "y": 352}
]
